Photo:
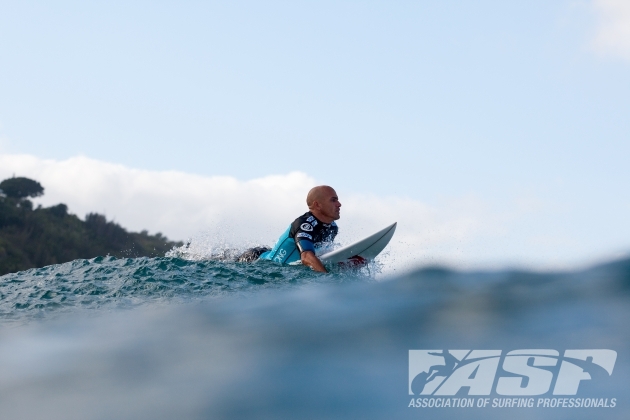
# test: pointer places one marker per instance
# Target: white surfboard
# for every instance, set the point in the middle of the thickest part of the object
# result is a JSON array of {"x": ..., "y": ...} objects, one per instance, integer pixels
[{"x": 367, "y": 248}]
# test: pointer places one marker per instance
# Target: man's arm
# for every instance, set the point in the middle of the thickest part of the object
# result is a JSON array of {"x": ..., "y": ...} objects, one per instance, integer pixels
[{"x": 309, "y": 258}]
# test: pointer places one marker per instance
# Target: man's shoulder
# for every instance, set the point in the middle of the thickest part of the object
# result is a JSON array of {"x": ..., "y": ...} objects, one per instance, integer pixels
[
  {"x": 309, "y": 218},
  {"x": 305, "y": 218},
  {"x": 306, "y": 223}
]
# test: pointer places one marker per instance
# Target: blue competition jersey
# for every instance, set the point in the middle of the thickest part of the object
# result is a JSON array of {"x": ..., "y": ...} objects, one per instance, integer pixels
[{"x": 306, "y": 233}]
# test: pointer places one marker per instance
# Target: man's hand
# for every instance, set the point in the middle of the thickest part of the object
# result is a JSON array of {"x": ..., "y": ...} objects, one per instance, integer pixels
[{"x": 309, "y": 258}]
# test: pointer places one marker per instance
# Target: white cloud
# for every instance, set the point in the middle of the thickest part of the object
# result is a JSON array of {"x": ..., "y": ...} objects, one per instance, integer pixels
[
  {"x": 613, "y": 27},
  {"x": 175, "y": 203},
  {"x": 220, "y": 211}
]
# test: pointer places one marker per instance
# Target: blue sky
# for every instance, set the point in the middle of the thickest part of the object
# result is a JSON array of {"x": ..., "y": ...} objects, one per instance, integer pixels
[{"x": 506, "y": 102}]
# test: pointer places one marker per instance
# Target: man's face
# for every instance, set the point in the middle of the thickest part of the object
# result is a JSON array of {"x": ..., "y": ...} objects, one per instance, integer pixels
[{"x": 329, "y": 204}]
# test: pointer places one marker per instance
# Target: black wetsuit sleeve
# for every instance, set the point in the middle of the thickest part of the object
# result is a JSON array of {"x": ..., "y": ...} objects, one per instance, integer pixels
[
  {"x": 304, "y": 241},
  {"x": 302, "y": 233}
]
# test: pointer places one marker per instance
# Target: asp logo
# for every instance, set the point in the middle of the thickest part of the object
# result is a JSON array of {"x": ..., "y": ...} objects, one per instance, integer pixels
[{"x": 524, "y": 372}]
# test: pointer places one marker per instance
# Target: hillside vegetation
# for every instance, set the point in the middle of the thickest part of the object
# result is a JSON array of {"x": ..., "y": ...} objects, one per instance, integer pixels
[{"x": 31, "y": 238}]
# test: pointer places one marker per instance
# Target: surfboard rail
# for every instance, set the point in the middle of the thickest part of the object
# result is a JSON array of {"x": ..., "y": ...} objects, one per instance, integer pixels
[{"x": 367, "y": 248}]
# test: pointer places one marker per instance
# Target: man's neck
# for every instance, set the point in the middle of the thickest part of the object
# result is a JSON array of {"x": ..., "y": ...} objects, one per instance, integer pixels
[{"x": 321, "y": 217}]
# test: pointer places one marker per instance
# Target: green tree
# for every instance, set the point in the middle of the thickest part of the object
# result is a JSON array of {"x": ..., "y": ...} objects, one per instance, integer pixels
[
  {"x": 50, "y": 235},
  {"x": 21, "y": 187}
]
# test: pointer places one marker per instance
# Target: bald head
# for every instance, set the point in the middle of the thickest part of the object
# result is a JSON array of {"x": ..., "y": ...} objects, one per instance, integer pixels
[
  {"x": 323, "y": 202},
  {"x": 318, "y": 193}
]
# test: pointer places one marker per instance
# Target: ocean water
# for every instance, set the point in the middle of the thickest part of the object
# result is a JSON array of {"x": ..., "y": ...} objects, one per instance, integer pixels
[
  {"x": 108, "y": 283},
  {"x": 192, "y": 338}
]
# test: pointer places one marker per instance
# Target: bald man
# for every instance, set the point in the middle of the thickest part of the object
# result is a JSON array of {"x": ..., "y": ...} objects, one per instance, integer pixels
[{"x": 312, "y": 230}]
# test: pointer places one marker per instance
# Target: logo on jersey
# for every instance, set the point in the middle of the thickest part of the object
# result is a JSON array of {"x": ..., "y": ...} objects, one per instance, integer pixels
[
  {"x": 280, "y": 256},
  {"x": 314, "y": 223},
  {"x": 310, "y": 219},
  {"x": 304, "y": 235},
  {"x": 307, "y": 227}
]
